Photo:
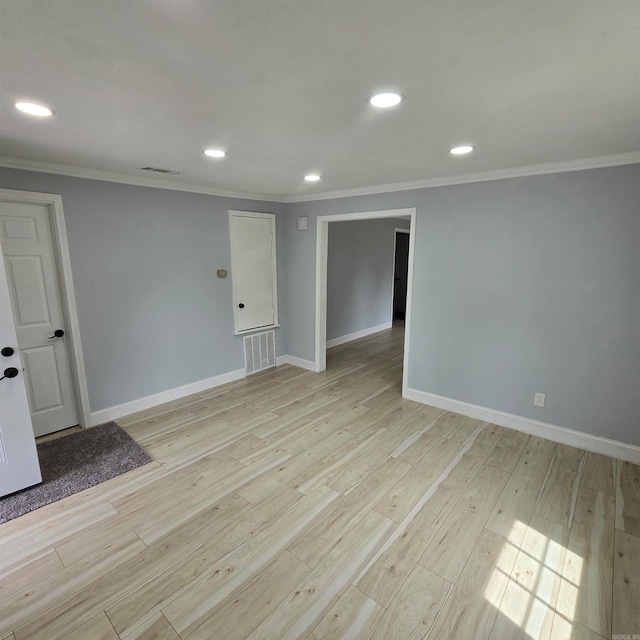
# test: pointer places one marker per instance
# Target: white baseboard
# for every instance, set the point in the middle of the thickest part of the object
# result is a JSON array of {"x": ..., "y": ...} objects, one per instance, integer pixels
[
  {"x": 296, "y": 362},
  {"x": 334, "y": 342},
  {"x": 113, "y": 413},
  {"x": 563, "y": 435}
]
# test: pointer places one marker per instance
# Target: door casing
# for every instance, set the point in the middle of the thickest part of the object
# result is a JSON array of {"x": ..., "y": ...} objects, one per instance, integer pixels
[
  {"x": 68, "y": 299},
  {"x": 322, "y": 238}
]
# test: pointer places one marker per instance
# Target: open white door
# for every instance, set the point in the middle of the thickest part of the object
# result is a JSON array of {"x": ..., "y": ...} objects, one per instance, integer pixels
[
  {"x": 39, "y": 319},
  {"x": 19, "y": 466}
]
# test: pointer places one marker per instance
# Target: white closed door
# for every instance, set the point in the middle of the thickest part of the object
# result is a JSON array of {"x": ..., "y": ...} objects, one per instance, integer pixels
[
  {"x": 19, "y": 467},
  {"x": 34, "y": 291},
  {"x": 253, "y": 270}
]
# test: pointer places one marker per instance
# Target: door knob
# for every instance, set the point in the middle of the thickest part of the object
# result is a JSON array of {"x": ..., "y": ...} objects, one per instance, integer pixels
[
  {"x": 7, "y": 351},
  {"x": 10, "y": 372},
  {"x": 58, "y": 333},
  {"x": 241, "y": 306}
]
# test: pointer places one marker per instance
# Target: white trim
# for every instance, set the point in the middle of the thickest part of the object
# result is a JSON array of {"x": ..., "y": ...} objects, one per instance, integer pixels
[
  {"x": 322, "y": 235},
  {"x": 154, "y": 182},
  {"x": 407, "y": 316},
  {"x": 370, "y": 215},
  {"x": 296, "y": 362},
  {"x": 334, "y": 342},
  {"x": 579, "y": 439},
  {"x": 127, "y": 408},
  {"x": 483, "y": 176},
  {"x": 121, "y": 178},
  {"x": 271, "y": 217},
  {"x": 61, "y": 252},
  {"x": 267, "y": 327},
  {"x": 113, "y": 413},
  {"x": 322, "y": 251}
]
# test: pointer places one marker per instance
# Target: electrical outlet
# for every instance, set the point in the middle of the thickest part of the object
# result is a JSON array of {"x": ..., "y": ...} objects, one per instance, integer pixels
[{"x": 538, "y": 399}]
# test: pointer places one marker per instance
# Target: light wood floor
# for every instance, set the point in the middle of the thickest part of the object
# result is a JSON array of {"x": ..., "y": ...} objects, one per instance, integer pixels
[{"x": 302, "y": 505}]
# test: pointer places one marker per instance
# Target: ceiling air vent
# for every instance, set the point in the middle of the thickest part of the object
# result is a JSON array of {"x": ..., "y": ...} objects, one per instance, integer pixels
[{"x": 167, "y": 172}]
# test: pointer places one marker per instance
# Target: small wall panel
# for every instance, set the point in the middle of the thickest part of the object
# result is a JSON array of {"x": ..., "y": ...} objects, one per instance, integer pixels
[
  {"x": 19, "y": 229},
  {"x": 28, "y": 290},
  {"x": 44, "y": 389}
]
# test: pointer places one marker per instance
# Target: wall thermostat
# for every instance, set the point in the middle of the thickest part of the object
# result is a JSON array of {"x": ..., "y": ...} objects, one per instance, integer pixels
[
  {"x": 222, "y": 273},
  {"x": 303, "y": 223}
]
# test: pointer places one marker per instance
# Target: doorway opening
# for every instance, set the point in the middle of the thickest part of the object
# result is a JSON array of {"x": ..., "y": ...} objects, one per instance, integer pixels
[
  {"x": 322, "y": 244},
  {"x": 400, "y": 276}
]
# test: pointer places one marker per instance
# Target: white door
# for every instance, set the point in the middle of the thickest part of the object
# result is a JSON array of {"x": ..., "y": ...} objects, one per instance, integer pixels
[
  {"x": 34, "y": 291},
  {"x": 19, "y": 467},
  {"x": 253, "y": 270}
]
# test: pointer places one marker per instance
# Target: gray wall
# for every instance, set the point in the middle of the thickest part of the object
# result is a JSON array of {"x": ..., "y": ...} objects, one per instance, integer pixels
[
  {"x": 520, "y": 285},
  {"x": 153, "y": 315},
  {"x": 360, "y": 275}
]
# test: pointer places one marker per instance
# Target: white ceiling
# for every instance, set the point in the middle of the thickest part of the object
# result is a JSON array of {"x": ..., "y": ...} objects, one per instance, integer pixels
[{"x": 282, "y": 85}]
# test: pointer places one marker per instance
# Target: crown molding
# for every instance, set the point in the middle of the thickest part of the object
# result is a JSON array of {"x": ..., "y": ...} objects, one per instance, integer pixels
[
  {"x": 483, "y": 176},
  {"x": 121, "y": 178}
]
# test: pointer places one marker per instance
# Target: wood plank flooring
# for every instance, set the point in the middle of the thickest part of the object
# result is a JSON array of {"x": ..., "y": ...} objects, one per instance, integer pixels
[{"x": 324, "y": 506}]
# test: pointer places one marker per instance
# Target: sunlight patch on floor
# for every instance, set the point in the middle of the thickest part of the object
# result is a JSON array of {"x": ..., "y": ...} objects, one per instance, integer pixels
[{"x": 529, "y": 600}]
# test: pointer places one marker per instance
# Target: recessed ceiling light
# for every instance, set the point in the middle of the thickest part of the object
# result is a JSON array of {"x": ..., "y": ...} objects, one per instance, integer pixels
[
  {"x": 460, "y": 151},
  {"x": 385, "y": 99},
  {"x": 34, "y": 109},
  {"x": 215, "y": 153},
  {"x": 312, "y": 177}
]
